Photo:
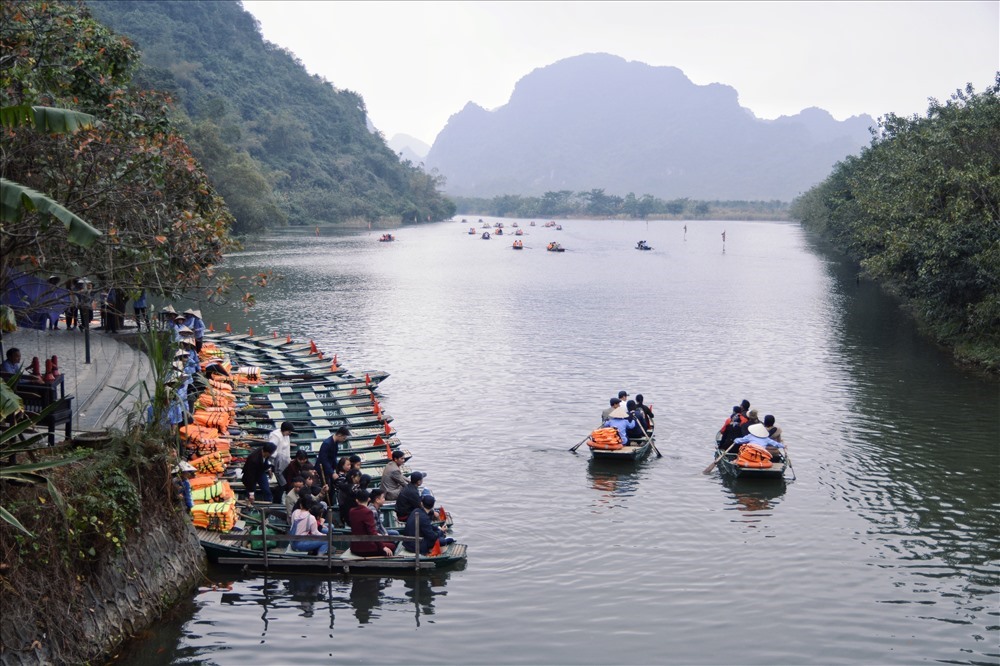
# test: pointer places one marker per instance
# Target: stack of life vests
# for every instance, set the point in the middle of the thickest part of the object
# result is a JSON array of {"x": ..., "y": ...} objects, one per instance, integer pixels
[
  {"x": 212, "y": 493},
  {"x": 217, "y": 516},
  {"x": 212, "y": 463},
  {"x": 201, "y": 440},
  {"x": 753, "y": 455},
  {"x": 605, "y": 439}
]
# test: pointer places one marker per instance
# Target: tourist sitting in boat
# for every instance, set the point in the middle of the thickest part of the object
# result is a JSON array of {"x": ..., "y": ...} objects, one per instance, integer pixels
[
  {"x": 292, "y": 494},
  {"x": 304, "y": 523},
  {"x": 346, "y": 487},
  {"x": 298, "y": 466},
  {"x": 614, "y": 402},
  {"x": 326, "y": 459},
  {"x": 320, "y": 492},
  {"x": 732, "y": 428},
  {"x": 375, "y": 506},
  {"x": 362, "y": 522},
  {"x": 429, "y": 532},
  {"x": 646, "y": 410},
  {"x": 393, "y": 480},
  {"x": 409, "y": 497},
  {"x": 257, "y": 472},
  {"x": 620, "y": 419},
  {"x": 751, "y": 419},
  {"x": 355, "y": 461},
  {"x": 758, "y": 436},
  {"x": 641, "y": 428},
  {"x": 773, "y": 431}
]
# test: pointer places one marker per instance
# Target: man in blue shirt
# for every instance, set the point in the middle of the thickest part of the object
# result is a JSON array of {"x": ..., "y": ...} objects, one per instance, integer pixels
[{"x": 758, "y": 435}]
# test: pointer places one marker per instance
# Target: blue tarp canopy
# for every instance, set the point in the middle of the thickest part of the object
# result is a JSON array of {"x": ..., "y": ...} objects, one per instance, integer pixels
[{"x": 33, "y": 300}]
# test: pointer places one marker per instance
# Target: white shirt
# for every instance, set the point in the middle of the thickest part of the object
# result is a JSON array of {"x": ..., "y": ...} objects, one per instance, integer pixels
[{"x": 283, "y": 455}]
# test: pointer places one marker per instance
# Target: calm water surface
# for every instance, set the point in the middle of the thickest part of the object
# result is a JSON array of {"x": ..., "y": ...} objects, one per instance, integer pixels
[{"x": 884, "y": 549}]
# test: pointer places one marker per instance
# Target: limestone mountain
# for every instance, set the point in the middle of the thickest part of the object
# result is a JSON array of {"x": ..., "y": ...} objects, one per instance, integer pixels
[{"x": 599, "y": 121}]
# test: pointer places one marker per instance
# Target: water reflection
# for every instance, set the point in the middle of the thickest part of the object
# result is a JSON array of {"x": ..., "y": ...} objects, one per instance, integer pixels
[
  {"x": 614, "y": 482},
  {"x": 756, "y": 495}
]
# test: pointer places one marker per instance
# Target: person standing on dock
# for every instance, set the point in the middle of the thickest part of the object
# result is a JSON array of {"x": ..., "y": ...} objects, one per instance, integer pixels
[
  {"x": 192, "y": 319},
  {"x": 256, "y": 473},
  {"x": 282, "y": 440},
  {"x": 326, "y": 460}
]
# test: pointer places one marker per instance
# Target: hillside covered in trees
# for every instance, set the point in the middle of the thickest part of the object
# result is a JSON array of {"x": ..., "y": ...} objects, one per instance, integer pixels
[
  {"x": 920, "y": 210},
  {"x": 279, "y": 145}
]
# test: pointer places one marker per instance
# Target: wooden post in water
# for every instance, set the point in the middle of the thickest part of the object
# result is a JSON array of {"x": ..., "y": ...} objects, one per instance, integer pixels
[
  {"x": 329, "y": 538},
  {"x": 263, "y": 533},
  {"x": 416, "y": 544}
]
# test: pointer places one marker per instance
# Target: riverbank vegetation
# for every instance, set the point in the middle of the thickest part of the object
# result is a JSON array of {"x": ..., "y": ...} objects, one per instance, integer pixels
[
  {"x": 598, "y": 203},
  {"x": 280, "y": 145},
  {"x": 919, "y": 209}
]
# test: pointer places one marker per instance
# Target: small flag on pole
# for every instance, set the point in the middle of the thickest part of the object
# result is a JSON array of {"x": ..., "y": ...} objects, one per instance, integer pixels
[
  {"x": 368, "y": 379},
  {"x": 274, "y": 334},
  {"x": 312, "y": 348},
  {"x": 436, "y": 550},
  {"x": 387, "y": 429},
  {"x": 320, "y": 355},
  {"x": 251, "y": 331},
  {"x": 211, "y": 327},
  {"x": 354, "y": 391},
  {"x": 288, "y": 339},
  {"x": 229, "y": 329},
  {"x": 441, "y": 514}
]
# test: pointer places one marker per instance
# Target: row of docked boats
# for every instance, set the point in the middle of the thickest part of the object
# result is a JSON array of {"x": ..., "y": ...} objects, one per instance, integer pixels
[{"x": 272, "y": 381}]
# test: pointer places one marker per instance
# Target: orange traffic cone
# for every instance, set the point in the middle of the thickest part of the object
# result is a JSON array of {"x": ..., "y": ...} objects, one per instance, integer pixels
[
  {"x": 378, "y": 440},
  {"x": 436, "y": 550},
  {"x": 368, "y": 379},
  {"x": 288, "y": 339},
  {"x": 441, "y": 514},
  {"x": 333, "y": 366},
  {"x": 229, "y": 329},
  {"x": 312, "y": 348},
  {"x": 354, "y": 391},
  {"x": 387, "y": 429}
]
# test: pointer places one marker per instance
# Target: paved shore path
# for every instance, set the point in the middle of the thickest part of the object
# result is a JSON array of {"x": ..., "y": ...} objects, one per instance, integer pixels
[{"x": 113, "y": 363}]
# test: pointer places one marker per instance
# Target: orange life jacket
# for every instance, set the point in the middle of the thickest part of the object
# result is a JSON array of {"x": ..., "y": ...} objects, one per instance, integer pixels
[
  {"x": 753, "y": 456},
  {"x": 605, "y": 439}
]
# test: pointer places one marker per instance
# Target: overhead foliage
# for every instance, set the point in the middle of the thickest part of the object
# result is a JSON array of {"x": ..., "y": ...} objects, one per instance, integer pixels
[
  {"x": 280, "y": 145},
  {"x": 920, "y": 210},
  {"x": 129, "y": 174}
]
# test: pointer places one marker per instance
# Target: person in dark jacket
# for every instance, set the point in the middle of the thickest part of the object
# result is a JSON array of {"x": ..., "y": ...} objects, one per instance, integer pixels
[
  {"x": 326, "y": 460},
  {"x": 362, "y": 522},
  {"x": 409, "y": 497},
  {"x": 256, "y": 472},
  {"x": 347, "y": 486},
  {"x": 428, "y": 532}
]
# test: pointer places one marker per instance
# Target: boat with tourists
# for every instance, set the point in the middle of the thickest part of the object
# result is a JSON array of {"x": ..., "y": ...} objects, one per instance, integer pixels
[
  {"x": 605, "y": 443},
  {"x": 472, "y": 231},
  {"x": 555, "y": 247},
  {"x": 518, "y": 245},
  {"x": 641, "y": 245},
  {"x": 386, "y": 238},
  {"x": 486, "y": 235},
  {"x": 749, "y": 461}
]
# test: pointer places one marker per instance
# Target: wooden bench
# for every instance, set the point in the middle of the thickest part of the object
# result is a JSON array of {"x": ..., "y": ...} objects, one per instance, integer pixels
[{"x": 38, "y": 397}]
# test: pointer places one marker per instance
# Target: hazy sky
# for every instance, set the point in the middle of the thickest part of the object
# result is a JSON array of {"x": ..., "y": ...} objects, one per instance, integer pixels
[{"x": 417, "y": 63}]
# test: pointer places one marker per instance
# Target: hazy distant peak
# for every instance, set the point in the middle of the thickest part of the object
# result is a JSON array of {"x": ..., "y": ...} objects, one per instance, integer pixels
[{"x": 406, "y": 144}]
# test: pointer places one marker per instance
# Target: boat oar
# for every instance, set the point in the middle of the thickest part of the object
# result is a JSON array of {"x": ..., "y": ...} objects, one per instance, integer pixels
[
  {"x": 572, "y": 450},
  {"x": 708, "y": 470},
  {"x": 650, "y": 438},
  {"x": 788, "y": 460}
]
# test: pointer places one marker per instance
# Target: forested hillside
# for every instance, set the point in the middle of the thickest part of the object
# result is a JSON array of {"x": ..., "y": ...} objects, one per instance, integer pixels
[
  {"x": 278, "y": 144},
  {"x": 920, "y": 210}
]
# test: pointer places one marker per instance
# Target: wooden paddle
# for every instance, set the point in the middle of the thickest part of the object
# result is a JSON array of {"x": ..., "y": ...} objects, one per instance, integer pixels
[
  {"x": 788, "y": 460},
  {"x": 708, "y": 470},
  {"x": 650, "y": 438},
  {"x": 573, "y": 450}
]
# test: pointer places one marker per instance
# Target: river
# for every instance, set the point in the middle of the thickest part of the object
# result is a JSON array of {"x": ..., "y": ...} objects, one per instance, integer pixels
[{"x": 885, "y": 548}]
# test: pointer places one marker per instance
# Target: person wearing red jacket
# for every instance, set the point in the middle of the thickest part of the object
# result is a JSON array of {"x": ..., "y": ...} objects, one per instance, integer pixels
[{"x": 362, "y": 522}]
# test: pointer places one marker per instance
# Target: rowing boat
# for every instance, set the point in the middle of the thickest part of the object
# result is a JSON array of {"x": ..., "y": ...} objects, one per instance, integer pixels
[
  {"x": 633, "y": 451},
  {"x": 233, "y": 548},
  {"x": 728, "y": 467}
]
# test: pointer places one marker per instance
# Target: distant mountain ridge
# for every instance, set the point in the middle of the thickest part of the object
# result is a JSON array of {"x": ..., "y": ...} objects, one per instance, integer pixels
[{"x": 599, "y": 121}]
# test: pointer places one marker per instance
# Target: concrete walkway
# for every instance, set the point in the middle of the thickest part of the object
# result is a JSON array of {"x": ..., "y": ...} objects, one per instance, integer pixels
[{"x": 113, "y": 363}]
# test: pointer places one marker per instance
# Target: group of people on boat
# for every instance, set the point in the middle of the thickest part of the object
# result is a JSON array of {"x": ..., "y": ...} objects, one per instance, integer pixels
[
  {"x": 339, "y": 482},
  {"x": 633, "y": 419},
  {"x": 641, "y": 245},
  {"x": 743, "y": 428},
  {"x": 386, "y": 238}
]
